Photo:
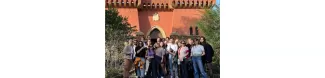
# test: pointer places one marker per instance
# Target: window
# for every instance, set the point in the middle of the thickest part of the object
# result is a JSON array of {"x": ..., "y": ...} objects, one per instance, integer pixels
[
  {"x": 196, "y": 30},
  {"x": 191, "y": 32}
]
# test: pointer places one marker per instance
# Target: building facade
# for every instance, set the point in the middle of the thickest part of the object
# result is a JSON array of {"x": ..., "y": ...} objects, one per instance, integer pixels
[{"x": 161, "y": 18}]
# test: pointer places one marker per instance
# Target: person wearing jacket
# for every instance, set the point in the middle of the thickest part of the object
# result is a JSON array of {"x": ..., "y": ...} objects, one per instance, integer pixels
[{"x": 207, "y": 58}]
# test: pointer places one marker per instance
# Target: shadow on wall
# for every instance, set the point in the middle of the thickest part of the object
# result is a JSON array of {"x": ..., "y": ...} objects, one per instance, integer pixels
[
  {"x": 144, "y": 22},
  {"x": 186, "y": 21}
]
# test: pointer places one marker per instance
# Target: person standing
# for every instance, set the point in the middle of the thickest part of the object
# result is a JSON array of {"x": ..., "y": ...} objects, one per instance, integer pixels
[
  {"x": 207, "y": 58},
  {"x": 166, "y": 56},
  {"x": 190, "y": 63},
  {"x": 128, "y": 55},
  {"x": 183, "y": 58},
  {"x": 157, "y": 43},
  {"x": 176, "y": 59},
  {"x": 171, "y": 49},
  {"x": 150, "y": 62},
  {"x": 197, "y": 51},
  {"x": 159, "y": 56},
  {"x": 140, "y": 59},
  {"x": 163, "y": 64},
  {"x": 143, "y": 40}
]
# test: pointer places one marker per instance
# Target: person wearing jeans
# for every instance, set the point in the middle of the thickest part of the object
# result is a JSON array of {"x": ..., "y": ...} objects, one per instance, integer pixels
[
  {"x": 197, "y": 51},
  {"x": 140, "y": 59},
  {"x": 172, "y": 48}
]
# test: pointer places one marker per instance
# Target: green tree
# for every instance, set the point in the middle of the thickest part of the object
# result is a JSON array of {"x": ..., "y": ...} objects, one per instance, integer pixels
[
  {"x": 117, "y": 31},
  {"x": 209, "y": 24}
]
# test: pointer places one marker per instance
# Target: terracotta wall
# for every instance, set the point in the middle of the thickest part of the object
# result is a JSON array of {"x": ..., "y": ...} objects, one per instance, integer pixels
[
  {"x": 164, "y": 22},
  {"x": 177, "y": 20},
  {"x": 131, "y": 14},
  {"x": 184, "y": 18}
]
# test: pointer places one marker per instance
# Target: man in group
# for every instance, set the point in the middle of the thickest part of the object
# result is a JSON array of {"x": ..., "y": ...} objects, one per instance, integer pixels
[
  {"x": 171, "y": 49},
  {"x": 207, "y": 58},
  {"x": 128, "y": 56},
  {"x": 189, "y": 64}
]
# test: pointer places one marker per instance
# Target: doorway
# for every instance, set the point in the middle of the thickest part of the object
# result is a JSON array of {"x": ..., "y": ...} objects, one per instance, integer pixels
[{"x": 154, "y": 34}]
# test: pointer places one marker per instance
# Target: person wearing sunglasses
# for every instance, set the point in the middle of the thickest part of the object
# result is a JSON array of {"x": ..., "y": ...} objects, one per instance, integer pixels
[{"x": 182, "y": 56}]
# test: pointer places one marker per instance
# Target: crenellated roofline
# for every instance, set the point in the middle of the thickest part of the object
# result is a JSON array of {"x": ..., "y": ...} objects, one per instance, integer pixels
[{"x": 161, "y": 4}]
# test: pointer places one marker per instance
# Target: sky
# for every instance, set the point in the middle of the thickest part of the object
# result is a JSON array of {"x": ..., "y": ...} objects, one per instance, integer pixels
[{"x": 218, "y": 2}]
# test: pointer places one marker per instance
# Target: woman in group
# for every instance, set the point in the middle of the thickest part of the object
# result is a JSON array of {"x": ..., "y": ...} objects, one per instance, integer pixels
[
  {"x": 159, "y": 56},
  {"x": 166, "y": 56},
  {"x": 150, "y": 62},
  {"x": 177, "y": 58},
  {"x": 183, "y": 51},
  {"x": 197, "y": 51},
  {"x": 140, "y": 59},
  {"x": 163, "y": 64}
]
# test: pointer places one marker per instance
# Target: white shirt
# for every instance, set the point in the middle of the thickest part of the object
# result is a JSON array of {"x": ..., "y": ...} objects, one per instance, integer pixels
[
  {"x": 171, "y": 46},
  {"x": 134, "y": 52}
]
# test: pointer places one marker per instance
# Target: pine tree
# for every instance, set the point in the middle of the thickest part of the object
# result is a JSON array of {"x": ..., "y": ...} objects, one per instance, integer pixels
[{"x": 117, "y": 31}]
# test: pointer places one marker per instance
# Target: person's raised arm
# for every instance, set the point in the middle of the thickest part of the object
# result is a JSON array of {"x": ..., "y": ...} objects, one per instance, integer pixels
[{"x": 140, "y": 49}]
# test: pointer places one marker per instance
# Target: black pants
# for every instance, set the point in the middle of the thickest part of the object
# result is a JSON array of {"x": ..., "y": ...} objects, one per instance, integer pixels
[
  {"x": 167, "y": 63},
  {"x": 159, "y": 71},
  {"x": 184, "y": 73},
  {"x": 190, "y": 69},
  {"x": 152, "y": 71}
]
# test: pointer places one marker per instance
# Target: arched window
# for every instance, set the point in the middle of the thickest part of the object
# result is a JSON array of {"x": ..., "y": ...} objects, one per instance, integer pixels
[
  {"x": 191, "y": 30},
  {"x": 193, "y": 3},
  {"x": 122, "y": 2},
  {"x": 196, "y": 30}
]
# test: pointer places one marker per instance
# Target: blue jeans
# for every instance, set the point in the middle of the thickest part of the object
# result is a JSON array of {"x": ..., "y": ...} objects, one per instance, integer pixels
[
  {"x": 172, "y": 66},
  {"x": 198, "y": 67},
  {"x": 140, "y": 72}
]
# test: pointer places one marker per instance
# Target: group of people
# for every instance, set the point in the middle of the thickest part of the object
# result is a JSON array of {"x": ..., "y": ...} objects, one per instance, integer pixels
[{"x": 168, "y": 57}]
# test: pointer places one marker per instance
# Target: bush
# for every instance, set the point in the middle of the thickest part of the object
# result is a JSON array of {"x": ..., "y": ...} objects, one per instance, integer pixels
[{"x": 114, "y": 73}]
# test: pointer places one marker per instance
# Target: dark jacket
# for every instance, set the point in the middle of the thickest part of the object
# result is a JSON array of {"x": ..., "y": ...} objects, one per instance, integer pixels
[{"x": 208, "y": 52}]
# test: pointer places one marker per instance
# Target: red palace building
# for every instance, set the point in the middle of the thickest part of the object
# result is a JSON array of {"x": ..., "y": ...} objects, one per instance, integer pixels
[{"x": 161, "y": 18}]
